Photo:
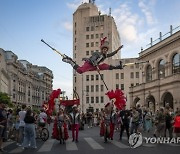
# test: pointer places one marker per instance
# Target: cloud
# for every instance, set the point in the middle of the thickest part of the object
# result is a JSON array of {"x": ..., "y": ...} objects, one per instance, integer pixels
[
  {"x": 145, "y": 7},
  {"x": 127, "y": 22},
  {"x": 68, "y": 26}
]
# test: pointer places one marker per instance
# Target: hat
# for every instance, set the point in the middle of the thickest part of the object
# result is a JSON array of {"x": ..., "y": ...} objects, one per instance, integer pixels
[
  {"x": 74, "y": 106},
  {"x": 104, "y": 43}
]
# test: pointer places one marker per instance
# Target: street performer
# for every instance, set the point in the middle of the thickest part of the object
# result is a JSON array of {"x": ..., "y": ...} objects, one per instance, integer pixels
[
  {"x": 75, "y": 122},
  {"x": 93, "y": 63},
  {"x": 106, "y": 121}
]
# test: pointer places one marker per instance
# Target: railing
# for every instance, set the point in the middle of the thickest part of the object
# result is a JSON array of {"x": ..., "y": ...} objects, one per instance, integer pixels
[{"x": 162, "y": 37}]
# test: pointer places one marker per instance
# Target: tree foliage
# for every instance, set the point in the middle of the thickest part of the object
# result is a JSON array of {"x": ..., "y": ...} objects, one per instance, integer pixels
[{"x": 4, "y": 98}]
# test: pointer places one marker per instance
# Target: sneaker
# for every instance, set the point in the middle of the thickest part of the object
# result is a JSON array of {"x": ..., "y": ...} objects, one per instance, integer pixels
[
  {"x": 67, "y": 59},
  {"x": 20, "y": 145}
]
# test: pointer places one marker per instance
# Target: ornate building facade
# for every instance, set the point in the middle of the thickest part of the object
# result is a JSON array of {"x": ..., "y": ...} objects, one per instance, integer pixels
[
  {"x": 27, "y": 84},
  {"x": 160, "y": 81}
]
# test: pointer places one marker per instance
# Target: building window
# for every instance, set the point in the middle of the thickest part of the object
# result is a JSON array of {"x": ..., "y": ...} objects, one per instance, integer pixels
[
  {"x": 102, "y": 88},
  {"x": 92, "y": 28},
  {"x": 92, "y": 88},
  {"x": 75, "y": 79},
  {"x": 87, "y": 44},
  {"x": 87, "y": 53},
  {"x": 75, "y": 40},
  {"x": 87, "y": 77},
  {"x": 87, "y": 37},
  {"x": 122, "y": 75},
  {"x": 75, "y": 24},
  {"x": 117, "y": 86},
  {"x": 97, "y": 99},
  {"x": 87, "y": 29},
  {"x": 74, "y": 47},
  {"x": 87, "y": 88},
  {"x": 148, "y": 73},
  {"x": 102, "y": 99},
  {"x": 132, "y": 75},
  {"x": 97, "y": 35},
  {"x": 92, "y": 36},
  {"x": 97, "y": 88},
  {"x": 122, "y": 86},
  {"x": 137, "y": 74},
  {"x": 92, "y": 44},
  {"x": 92, "y": 99},
  {"x": 92, "y": 77},
  {"x": 102, "y": 27},
  {"x": 132, "y": 84},
  {"x": 161, "y": 69},
  {"x": 176, "y": 63},
  {"x": 117, "y": 75},
  {"x": 97, "y": 44},
  {"x": 101, "y": 35},
  {"x": 87, "y": 100},
  {"x": 97, "y": 77},
  {"x": 92, "y": 52}
]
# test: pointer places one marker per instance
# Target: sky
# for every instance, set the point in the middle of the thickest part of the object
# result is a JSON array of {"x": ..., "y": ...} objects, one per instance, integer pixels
[{"x": 23, "y": 23}]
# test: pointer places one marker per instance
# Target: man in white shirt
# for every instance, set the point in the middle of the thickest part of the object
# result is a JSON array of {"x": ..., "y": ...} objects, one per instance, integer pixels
[{"x": 21, "y": 115}]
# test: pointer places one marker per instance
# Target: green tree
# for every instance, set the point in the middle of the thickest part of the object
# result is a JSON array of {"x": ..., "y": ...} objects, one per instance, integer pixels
[{"x": 4, "y": 98}]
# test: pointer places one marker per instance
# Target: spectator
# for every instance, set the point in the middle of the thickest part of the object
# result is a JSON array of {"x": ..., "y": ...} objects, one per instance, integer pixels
[
  {"x": 124, "y": 121},
  {"x": 169, "y": 123},
  {"x": 160, "y": 120},
  {"x": 3, "y": 125},
  {"x": 29, "y": 131},
  {"x": 21, "y": 114},
  {"x": 177, "y": 124},
  {"x": 148, "y": 120},
  {"x": 10, "y": 123},
  {"x": 134, "y": 120}
]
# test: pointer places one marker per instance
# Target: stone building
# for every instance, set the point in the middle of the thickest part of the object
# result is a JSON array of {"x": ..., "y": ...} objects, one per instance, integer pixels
[
  {"x": 27, "y": 83},
  {"x": 160, "y": 81},
  {"x": 89, "y": 25}
]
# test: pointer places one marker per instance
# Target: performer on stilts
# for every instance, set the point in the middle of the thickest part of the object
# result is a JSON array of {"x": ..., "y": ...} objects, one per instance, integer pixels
[
  {"x": 93, "y": 63},
  {"x": 105, "y": 123},
  {"x": 60, "y": 131},
  {"x": 75, "y": 122},
  {"x": 61, "y": 125}
]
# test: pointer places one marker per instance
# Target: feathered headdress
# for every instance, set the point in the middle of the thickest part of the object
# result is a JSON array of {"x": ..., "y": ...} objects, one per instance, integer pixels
[
  {"x": 118, "y": 95},
  {"x": 104, "y": 43}
]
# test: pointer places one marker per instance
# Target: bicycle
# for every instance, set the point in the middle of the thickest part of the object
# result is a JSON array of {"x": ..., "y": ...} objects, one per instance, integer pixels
[{"x": 42, "y": 133}]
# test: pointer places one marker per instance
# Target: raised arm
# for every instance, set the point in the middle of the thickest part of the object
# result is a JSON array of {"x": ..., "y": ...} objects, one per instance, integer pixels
[{"x": 114, "y": 52}]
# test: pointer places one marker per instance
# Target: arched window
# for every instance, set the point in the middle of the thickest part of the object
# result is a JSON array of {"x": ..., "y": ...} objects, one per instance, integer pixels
[
  {"x": 161, "y": 69},
  {"x": 148, "y": 73},
  {"x": 176, "y": 63}
]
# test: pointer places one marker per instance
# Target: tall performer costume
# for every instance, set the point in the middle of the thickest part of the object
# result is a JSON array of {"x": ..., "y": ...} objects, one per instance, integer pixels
[
  {"x": 75, "y": 122},
  {"x": 93, "y": 63},
  {"x": 105, "y": 123},
  {"x": 62, "y": 126}
]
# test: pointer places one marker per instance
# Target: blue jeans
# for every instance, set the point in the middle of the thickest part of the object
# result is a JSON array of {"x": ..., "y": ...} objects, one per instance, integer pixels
[
  {"x": 29, "y": 136},
  {"x": 21, "y": 134}
]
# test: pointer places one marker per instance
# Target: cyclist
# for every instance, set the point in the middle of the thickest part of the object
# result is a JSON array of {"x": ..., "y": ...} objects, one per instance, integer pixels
[{"x": 42, "y": 119}]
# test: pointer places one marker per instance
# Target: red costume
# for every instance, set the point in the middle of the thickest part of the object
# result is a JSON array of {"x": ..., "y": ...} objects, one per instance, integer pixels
[
  {"x": 177, "y": 124},
  {"x": 93, "y": 63},
  {"x": 55, "y": 133}
]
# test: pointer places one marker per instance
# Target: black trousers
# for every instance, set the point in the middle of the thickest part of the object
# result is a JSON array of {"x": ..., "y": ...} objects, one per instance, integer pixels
[{"x": 124, "y": 127}]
